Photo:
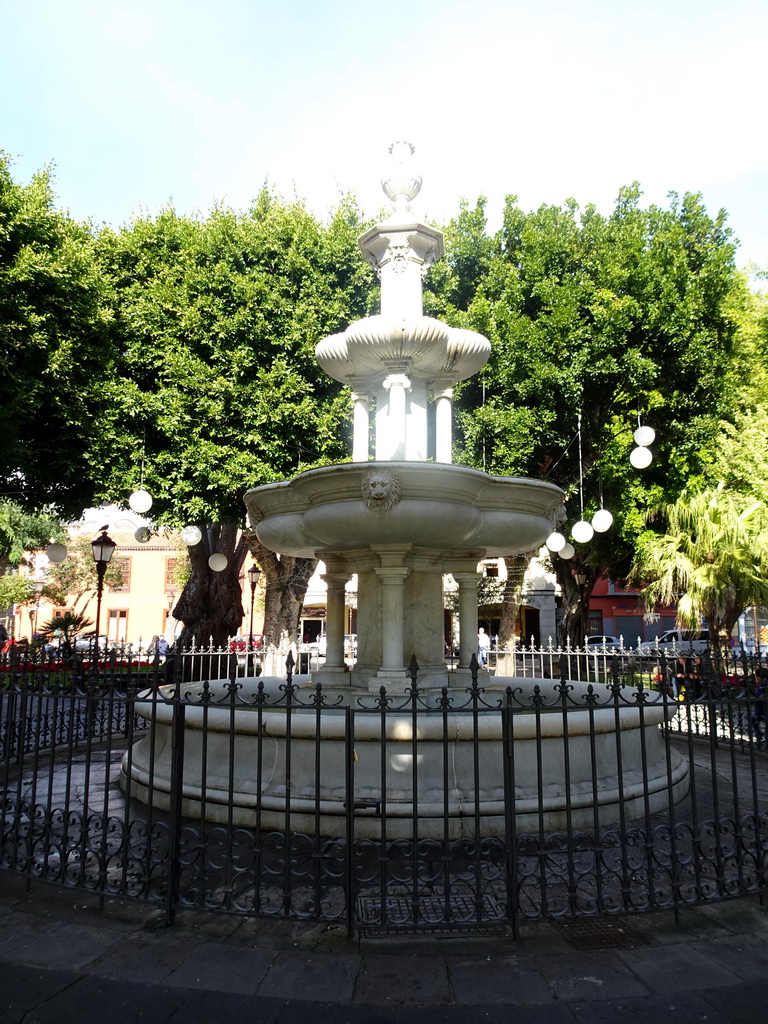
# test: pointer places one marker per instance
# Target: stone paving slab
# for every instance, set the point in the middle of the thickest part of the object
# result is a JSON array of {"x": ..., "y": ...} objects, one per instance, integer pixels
[
  {"x": 574, "y": 977},
  {"x": 216, "y": 967},
  {"x": 141, "y": 956},
  {"x": 311, "y": 978},
  {"x": 392, "y": 980},
  {"x": 746, "y": 956},
  {"x": 497, "y": 981},
  {"x": 742, "y": 1004},
  {"x": 676, "y": 968},
  {"x": 92, "y": 999}
]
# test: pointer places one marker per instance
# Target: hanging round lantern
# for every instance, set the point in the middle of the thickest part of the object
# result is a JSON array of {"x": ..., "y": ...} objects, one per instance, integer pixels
[
  {"x": 218, "y": 562},
  {"x": 568, "y": 551},
  {"x": 602, "y": 520},
  {"x": 556, "y": 542},
  {"x": 640, "y": 458},
  {"x": 140, "y": 501},
  {"x": 191, "y": 535},
  {"x": 56, "y": 552},
  {"x": 582, "y": 532},
  {"x": 143, "y": 534},
  {"x": 644, "y": 436}
]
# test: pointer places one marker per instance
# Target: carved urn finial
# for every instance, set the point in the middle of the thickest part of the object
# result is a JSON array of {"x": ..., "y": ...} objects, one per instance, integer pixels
[{"x": 402, "y": 184}]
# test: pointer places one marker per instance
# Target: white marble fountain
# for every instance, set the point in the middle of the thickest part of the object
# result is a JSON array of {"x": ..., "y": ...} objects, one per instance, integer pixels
[{"x": 402, "y": 517}]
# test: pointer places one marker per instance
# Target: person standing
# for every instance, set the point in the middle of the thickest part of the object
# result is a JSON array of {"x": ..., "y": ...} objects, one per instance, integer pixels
[{"x": 483, "y": 646}]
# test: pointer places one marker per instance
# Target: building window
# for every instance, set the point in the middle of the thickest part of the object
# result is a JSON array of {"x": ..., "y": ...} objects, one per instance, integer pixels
[
  {"x": 595, "y": 623},
  {"x": 117, "y": 625},
  {"x": 491, "y": 567},
  {"x": 123, "y": 563},
  {"x": 171, "y": 567}
]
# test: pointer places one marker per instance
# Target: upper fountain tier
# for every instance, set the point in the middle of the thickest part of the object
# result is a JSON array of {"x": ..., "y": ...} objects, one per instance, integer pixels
[{"x": 395, "y": 360}]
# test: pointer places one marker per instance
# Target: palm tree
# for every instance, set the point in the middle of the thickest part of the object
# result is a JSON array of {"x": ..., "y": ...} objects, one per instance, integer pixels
[
  {"x": 63, "y": 629},
  {"x": 712, "y": 559}
]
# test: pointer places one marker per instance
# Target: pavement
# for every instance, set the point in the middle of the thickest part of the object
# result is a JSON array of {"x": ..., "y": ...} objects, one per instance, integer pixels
[{"x": 64, "y": 958}]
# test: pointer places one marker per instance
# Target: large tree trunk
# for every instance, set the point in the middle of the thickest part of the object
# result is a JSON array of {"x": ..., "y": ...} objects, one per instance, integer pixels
[
  {"x": 285, "y": 580},
  {"x": 211, "y": 606}
]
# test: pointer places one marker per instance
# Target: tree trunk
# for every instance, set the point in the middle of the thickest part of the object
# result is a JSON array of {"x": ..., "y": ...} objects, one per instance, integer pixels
[
  {"x": 510, "y": 611},
  {"x": 211, "y": 605},
  {"x": 575, "y": 622},
  {"x": 285, "y": 581}
]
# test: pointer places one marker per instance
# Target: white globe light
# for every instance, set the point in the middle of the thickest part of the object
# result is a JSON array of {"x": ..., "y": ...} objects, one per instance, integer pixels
[
  {"x": 602, "y": 520},
  {"x": 582, "y": 532},
  {"x": 218, "y": 562},
  {"x": 140, "y": 501},
  {"x": 644, "y": 436},
  {"x": 56, "y": 552},
  {"x": 555, "y": 541},
  {"x": 142, "y": 535},
  {"x": 568, "y": 551},
  {"x": 640, "y": 458},
  {"x": 191, "y": 535}
]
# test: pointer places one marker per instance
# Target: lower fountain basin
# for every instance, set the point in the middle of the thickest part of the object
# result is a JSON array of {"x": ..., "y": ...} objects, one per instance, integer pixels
[{"x": 441, "y": 774}]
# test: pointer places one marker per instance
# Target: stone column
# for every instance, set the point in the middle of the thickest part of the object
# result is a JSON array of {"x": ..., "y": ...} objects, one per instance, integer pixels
[
  {"x": 391, "y": 579},
  {"x": 334, "y": 622},
  {"x": 467, "y": 582},
  {"x": 361, "y": 420},
  {"x": 443, "y": 425},
  {"x": 390, "y": 430}
]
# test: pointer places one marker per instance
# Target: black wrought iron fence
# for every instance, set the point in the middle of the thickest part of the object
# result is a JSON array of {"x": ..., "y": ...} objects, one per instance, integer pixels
[{"x": 472, "y": 807}]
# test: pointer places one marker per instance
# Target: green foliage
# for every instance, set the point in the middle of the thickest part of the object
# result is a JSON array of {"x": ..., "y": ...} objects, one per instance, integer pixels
[
  {"x": 54, "y": 348},
  {"x": 713, "y": 551},
  {"x": 739, "y": 454},
  {"x": 603, "y": 315},
  {"x": 15, "y": 589},
  {"x": 217, "y": 384},
  {"x": 22, "y": 531}
]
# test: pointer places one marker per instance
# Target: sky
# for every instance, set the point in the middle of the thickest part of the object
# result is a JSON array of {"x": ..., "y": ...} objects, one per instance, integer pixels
[{"x": 149, "y": 103}]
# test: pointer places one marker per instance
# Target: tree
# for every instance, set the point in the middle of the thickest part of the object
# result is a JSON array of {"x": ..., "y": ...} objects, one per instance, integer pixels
[
  {"x": 739, "y": 454},
  {"x": 606, "y": 317},
  {"x": 54, "y": 348},
  {"x": 216, "y": 389},
  {"x": 713, "y": 551}
]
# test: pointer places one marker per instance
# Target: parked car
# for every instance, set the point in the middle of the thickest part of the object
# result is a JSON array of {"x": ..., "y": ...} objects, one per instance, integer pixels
[
  {"x": 86, "y": 641},
  {"x": 677, "y": 641},
  {"x": 239, "y": 644},
  {"x": 599, "y": 644}
]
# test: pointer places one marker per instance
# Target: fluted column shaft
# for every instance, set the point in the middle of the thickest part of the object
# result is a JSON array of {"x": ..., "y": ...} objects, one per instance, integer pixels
[
  {"x": 392, "y": 579},
  {"x": 334, "y": 622},
  {"x": 467, "y": 582}
]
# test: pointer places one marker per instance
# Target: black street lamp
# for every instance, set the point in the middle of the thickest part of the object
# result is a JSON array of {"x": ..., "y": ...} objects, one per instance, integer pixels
[
  {"x": 253, "y": 575},
  {"x": 103, "y": 548}
]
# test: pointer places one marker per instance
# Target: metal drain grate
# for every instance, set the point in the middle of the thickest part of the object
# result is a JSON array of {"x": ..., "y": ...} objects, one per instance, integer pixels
[
  {"x": 435, "y": 914},
  {"x": 599, "y": 933}
]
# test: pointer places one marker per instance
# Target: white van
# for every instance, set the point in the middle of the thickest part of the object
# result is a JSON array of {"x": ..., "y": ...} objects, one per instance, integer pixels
[{"x": 679, "y": 641}]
